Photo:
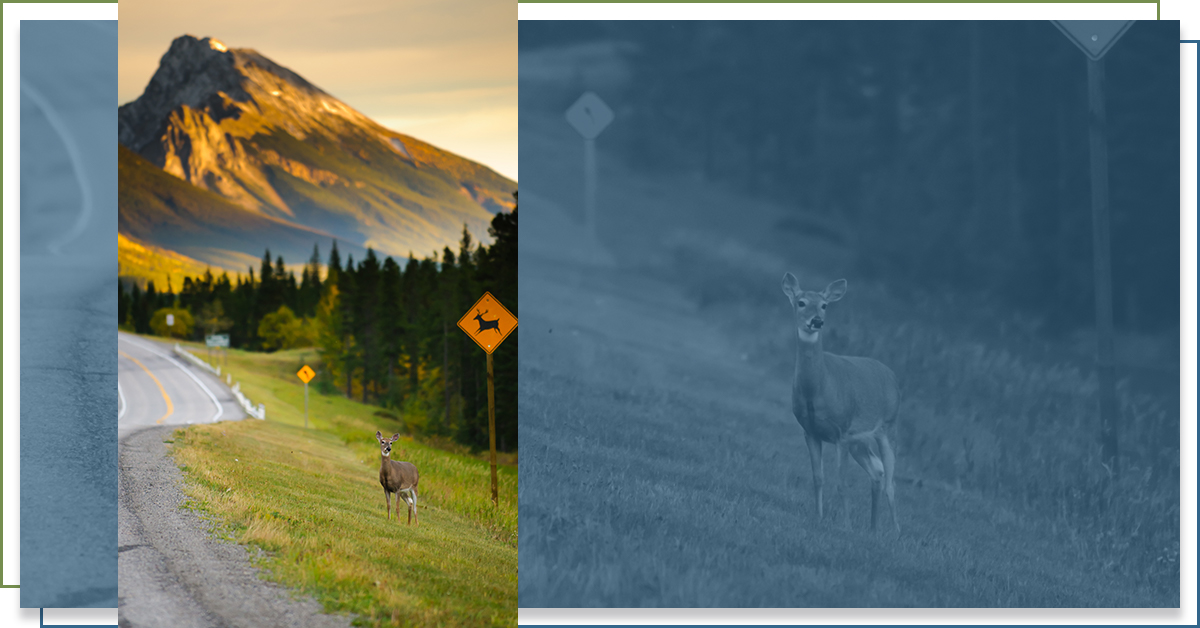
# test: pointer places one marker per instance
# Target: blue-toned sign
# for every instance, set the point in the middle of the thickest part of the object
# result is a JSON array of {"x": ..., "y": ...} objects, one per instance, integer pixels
[{"x": 1093, "y": 37}]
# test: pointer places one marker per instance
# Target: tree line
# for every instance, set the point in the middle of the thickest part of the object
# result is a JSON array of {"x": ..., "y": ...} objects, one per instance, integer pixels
[
  {"x": 385, "y": 330},
  {"x": 953, "y": 155}
]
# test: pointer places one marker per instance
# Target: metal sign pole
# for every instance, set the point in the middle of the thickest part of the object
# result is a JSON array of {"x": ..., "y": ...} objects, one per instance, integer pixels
[
  {"x": 589, "y": 184},
  {"x": 589, "y": 116},
  {"x": 1102, "y": 245},
  {"x": 492, "y": 428},
  {"x": 1095, "y": 38},
  {"x": 306, "y": 374}
]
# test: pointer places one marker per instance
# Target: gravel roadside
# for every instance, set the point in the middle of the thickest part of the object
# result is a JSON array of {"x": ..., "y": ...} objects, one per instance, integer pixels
[{"x": 173, "y": 571}]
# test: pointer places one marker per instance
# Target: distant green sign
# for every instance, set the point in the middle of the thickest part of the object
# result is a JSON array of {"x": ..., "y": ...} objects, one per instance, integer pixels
[{"x": 217, "y": 340}]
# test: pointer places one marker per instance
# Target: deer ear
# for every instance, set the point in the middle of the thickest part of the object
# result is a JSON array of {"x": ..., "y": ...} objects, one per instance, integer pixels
[
  {"x": 835, "y": 291},
  {"x": 379, "y": 436},
  {"x": 395, "y": 437},
  {"x": 791, "y": 285}
]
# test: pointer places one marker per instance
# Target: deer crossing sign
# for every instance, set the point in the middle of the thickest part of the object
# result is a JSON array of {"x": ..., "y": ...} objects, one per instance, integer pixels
[{"x": 487, "y": 322}]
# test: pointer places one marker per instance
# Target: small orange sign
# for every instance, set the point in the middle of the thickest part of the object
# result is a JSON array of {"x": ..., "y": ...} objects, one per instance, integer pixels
[
  {"x": 306, "y": 374},
  {"x": 488, "y": 323}
]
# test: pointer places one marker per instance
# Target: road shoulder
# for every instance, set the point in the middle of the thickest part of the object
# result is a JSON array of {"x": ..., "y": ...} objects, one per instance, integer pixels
[{"x": 173, "y": 571}]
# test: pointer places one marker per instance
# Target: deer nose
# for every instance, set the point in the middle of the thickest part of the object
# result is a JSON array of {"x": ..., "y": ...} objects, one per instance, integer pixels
[{"x": 817, "y": 322}]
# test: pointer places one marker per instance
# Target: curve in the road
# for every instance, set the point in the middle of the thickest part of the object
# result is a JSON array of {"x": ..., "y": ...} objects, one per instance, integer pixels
[
  {"x": 165, "y": 396},
  {"x": 187, "y": 399},
  {"x": 76, "y": 157}
]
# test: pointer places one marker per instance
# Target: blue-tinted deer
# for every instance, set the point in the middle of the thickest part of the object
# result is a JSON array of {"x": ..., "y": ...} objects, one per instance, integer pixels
[{"x": 849, "y": 402}]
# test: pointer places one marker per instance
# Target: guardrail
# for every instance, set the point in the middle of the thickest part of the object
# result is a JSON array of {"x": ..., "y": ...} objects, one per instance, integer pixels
[
  {"x": 179, "y": 350},
  {"x": 258, "y": 412}
]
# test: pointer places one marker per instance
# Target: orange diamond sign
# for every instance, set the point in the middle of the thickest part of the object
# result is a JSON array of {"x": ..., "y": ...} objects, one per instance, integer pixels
[
  {"x": 487, "y": 322},
  {"x": 306, "y": 374}
]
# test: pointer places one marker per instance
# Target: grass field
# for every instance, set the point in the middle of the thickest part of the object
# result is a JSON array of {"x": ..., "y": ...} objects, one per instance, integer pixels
[
  {"x": 311, "y": 500},
  {"x": 667, "y": 470},
  {"x": 664, "y": 467}
]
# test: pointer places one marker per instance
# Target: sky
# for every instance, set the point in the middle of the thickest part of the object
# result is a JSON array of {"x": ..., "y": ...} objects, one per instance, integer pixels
[{"x": 443, "y": 71}]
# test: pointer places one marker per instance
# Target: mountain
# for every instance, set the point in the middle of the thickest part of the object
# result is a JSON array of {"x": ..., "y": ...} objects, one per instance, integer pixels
[
  {"x": 272, "y": 161},
  {"x": 163, "y": 212}
]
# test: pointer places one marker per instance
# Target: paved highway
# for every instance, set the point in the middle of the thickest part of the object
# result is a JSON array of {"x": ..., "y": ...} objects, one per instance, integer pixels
[{"x": 156, "y": 387}]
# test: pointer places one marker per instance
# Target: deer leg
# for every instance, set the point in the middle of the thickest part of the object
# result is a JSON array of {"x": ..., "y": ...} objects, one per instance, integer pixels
[
  {"x": 818, "y": 471},
  {"x": 414, "y": 506},
  {"x": 387, "y": 497},
  {"x": 841, "y": 482},
  {"x": 889, "y": 475},
  {"x": 865, "y": 450}
]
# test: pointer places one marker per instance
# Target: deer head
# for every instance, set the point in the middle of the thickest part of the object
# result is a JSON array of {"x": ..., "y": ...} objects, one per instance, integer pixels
[
  {"x": 385, "y": 445},
  {"x": 808, "y": 307}
]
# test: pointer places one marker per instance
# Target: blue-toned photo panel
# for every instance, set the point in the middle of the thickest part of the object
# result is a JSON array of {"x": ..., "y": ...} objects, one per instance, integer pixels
[
  {"x": 850, "y": 314},
  {"x": 68, "y": 308}
]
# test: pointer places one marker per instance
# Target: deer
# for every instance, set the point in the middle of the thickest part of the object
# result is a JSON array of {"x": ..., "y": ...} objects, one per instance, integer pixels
[
  {"x": 848, "y": 402},
  {"x": 486, "y": 325},
  {"x": 397, "y": 477}
]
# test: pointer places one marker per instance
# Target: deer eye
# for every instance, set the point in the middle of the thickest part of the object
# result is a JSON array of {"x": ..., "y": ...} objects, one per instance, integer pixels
[
  {"x": 823, "y": 305},
  {"x": 800, "y": 304}
]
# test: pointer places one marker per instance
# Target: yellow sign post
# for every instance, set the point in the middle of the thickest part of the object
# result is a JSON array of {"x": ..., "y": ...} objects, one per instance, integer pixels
[
  {"x": 306, "y": 374},
  {"x": 488, "y": 323}
]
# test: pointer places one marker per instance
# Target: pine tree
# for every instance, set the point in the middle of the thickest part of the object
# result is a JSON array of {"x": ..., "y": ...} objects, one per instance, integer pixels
[
  {"x": 366, "y": 328},
  {"x": 346, "y": 284},
  {"x": 390, "y": 315}
]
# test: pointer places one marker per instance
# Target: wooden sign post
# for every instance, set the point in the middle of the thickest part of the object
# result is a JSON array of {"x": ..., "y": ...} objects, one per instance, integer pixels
[{"x": 488, "y": 334}]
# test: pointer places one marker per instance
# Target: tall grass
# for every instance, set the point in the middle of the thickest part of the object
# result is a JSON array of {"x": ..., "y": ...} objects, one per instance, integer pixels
[{"x": 991, "y": 405}]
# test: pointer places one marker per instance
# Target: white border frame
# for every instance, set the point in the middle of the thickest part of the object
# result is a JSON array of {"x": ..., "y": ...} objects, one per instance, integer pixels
[
  {"x": 1188, "y": 12},
  {"x": 856, "y": 11},
  {"x": 13, "y": 14}
]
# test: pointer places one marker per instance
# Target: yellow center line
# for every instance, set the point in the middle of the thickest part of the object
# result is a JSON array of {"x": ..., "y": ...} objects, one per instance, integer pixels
[{"x": 167, "y": 398}]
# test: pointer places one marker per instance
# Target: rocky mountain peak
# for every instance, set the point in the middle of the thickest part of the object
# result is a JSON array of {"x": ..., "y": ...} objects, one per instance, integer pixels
[
  {"x": 191, "y": 73},
  {"x": 203, "y": 76}
]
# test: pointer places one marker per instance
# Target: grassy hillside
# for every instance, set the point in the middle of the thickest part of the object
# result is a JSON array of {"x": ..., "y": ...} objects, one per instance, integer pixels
[
  {"x": 145, "y": 262},
  {"x": 670, "y": 470},
  {"x": 164, "y": 211},
  {"x": 311, "y": 499}
]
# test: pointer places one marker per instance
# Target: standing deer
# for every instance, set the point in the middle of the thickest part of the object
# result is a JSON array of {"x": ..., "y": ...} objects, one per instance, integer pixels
[
  {"x": 850, "y": 402},
  {"x": 397, "y": 477},
  {"x": 486, "y": 325}
]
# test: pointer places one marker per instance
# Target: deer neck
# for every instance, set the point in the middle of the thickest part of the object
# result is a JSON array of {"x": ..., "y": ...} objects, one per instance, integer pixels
[{"x": 810, "y": 364}]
